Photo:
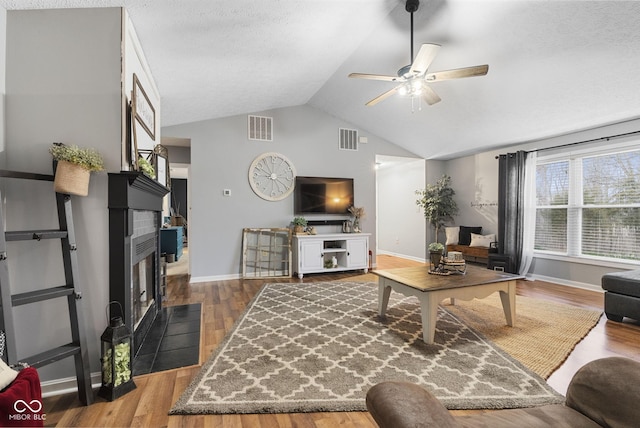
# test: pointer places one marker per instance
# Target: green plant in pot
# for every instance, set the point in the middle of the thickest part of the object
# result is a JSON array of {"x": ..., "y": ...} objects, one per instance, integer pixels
[
  {"x": 436, "y": 250},
  {"x": 146, "y": 167},
  {"x": 73, "y": 168},
  {"x": 436, "y": 200},
  {"x": 299, "y": 223}
]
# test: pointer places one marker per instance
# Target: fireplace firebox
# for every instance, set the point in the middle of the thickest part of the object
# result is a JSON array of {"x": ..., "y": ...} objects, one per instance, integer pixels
[{"x": 135, "y": 218}]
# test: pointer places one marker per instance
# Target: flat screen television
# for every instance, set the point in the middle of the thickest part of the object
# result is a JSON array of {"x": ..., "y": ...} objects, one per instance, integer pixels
[{"x": 322, "y": 195}]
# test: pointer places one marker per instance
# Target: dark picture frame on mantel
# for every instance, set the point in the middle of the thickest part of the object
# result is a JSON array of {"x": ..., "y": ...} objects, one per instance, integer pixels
[
  {"x": 159, "y": 159},
  {"x": 161, "y": 165},
  {"x": 142, "y": 113}
]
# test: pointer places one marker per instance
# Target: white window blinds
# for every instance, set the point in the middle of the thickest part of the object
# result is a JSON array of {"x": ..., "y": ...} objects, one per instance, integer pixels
[{"x": 588, "y": 205}]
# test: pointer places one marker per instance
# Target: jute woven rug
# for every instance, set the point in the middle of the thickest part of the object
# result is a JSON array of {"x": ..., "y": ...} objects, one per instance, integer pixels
[
  {"x": 543, "y": 336},
  {"x": 321, "y": 346}
]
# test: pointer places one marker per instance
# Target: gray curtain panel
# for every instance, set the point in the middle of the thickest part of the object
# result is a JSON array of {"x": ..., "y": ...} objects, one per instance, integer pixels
[{"x": 511, "y": 171}]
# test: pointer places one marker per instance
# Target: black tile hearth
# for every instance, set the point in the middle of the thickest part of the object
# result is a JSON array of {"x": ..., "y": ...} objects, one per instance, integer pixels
[{"x": 173, "y": 340}]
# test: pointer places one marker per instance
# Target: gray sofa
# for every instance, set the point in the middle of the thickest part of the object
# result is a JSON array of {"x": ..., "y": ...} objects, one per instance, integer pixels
[
  {"x": 603, "y": 393},
  {"x": 622, "y": 295}
]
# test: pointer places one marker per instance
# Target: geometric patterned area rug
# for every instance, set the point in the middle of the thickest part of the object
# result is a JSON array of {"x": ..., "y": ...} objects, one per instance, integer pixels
[{"x": 319, "y": 347}]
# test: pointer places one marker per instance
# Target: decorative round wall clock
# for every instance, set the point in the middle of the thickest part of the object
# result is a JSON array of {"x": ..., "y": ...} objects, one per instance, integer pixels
[{"x": 272, "y": 176}]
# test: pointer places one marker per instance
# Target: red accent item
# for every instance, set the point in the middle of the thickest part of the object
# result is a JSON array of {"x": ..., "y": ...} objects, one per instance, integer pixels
[{"x": 21, "y": 401}]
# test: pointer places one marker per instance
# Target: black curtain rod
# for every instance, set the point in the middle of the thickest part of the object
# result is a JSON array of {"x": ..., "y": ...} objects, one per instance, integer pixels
[{"x": 626, "y": 134}]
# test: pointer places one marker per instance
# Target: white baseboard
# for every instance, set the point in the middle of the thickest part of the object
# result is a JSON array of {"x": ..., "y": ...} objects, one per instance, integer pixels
[
  {"x": 566, "y": 282},
  {"x": 401, "y": 256},
  {"x": 67, "y": 385},
  {"x": 195, "y": 279}
]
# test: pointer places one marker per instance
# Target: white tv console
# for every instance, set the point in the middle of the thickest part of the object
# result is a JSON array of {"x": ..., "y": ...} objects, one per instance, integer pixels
[{"x": 311, "y": 253}]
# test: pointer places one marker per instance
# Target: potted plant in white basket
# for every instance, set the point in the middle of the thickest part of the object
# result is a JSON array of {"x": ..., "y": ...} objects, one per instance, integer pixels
[{"x": 73, "y": 169}]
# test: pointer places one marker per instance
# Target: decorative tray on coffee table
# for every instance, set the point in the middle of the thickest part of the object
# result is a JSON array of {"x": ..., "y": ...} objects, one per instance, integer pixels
[{"x": 450, "y": 267}]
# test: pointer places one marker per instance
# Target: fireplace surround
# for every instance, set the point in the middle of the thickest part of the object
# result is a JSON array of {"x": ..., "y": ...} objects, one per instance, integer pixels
[{"x": 135, "y": 219}]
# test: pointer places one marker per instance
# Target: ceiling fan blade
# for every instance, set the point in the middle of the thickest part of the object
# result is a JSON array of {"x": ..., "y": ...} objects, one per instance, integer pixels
[
  {"x": 425, "y": 57},
  {"x": 374, "y": 77},
  {"x": 382, "y": 97},
  {"x": 429, "y": 95},
  {"x": 478, "y": 70}
]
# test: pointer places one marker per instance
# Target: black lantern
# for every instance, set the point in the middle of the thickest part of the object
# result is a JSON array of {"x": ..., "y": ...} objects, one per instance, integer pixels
[{"x": 117, "y": 377}]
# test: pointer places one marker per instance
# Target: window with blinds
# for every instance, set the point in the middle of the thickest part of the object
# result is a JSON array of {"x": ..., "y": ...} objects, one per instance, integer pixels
[{"x": 588, "y": 205}]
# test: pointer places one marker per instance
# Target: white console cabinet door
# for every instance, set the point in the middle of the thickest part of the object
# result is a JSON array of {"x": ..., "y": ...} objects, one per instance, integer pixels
[
  {"x": 358, "y": 253},
  {"x": 314, "y": 253},
  {"x": 310, "y": 257}
]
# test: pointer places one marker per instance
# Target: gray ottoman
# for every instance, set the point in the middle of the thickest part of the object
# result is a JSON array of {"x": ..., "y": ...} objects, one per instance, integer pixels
[{"x": 622, "y": 295}]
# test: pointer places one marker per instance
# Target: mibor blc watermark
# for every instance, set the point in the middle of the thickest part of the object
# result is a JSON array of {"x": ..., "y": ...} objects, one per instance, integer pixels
[{"x": 27, "y": 411}]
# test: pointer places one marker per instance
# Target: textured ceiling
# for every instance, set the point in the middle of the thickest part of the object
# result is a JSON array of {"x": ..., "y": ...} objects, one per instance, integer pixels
[{"x": 555, "y": 66}]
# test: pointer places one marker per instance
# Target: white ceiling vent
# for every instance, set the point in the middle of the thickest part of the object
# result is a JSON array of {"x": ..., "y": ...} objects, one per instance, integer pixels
[
  {"x": 348, "y": 139},
  {"x": 260, "y": 128}
]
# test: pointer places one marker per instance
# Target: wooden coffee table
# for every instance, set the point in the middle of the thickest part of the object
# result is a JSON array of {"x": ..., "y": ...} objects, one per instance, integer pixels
[{"x": 431, "y": 289}]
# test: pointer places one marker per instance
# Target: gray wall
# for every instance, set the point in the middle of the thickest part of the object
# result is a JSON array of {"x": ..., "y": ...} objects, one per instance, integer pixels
[
  {"x": 62, "y": 84},
  {"x": 401, "y": 224},
  {"x": 475, "y": 180},
  {"x": 179, "y": 154},
  {"x": 3, "y": 56},
  {"x": 220, "y": 158}
]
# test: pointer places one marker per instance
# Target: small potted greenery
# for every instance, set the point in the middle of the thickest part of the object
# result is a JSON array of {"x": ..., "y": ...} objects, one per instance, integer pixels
[
  {"x": 299, "y": 223},
  {"x": 73, "y": 168},
  {"x": 435, "y": 254},
  {"x": 146, "y": 167}
]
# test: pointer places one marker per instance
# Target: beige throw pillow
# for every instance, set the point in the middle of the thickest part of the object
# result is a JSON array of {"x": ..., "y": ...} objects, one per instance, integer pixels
[
  {"x": 452, "y": 235},
  {"x": 482, "y": 240}
]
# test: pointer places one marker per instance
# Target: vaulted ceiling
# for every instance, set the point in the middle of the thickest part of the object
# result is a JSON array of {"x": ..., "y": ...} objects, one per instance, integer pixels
[{"x": 554, "y": 66}]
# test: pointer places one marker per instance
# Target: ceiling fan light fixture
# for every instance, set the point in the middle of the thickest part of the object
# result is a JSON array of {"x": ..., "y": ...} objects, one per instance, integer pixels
[
  {"x": 405, "y": 71},
  {"x": 413, "y": 79}
]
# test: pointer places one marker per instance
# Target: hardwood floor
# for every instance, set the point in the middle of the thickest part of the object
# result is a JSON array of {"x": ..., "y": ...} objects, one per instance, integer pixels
[{"x": 224, "y": 301}]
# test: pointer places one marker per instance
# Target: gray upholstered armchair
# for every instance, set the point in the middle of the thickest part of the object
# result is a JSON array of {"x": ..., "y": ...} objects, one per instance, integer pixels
[{"x": 603, "y": 393}]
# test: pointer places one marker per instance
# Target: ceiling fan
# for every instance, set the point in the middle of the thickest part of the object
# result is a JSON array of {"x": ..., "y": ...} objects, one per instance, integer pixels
[{"x": 413, "y": 78}]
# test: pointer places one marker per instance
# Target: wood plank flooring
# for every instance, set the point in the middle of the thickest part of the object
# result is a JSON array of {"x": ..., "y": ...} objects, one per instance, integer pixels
[{"x": 224, "y": 301}]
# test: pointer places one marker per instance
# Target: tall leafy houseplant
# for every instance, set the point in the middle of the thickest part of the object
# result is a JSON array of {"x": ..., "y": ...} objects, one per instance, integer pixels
[{"x": 436, "y": 200}]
